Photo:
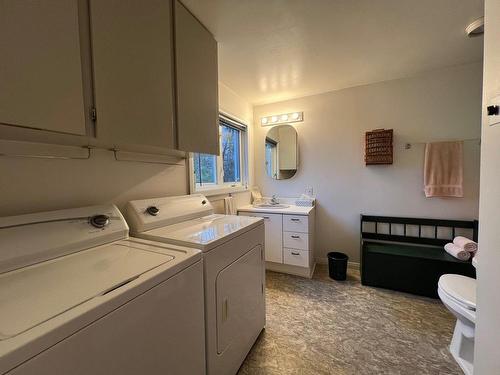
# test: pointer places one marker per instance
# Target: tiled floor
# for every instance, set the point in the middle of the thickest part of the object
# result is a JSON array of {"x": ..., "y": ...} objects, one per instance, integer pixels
[{"x": 321, "y": 326}]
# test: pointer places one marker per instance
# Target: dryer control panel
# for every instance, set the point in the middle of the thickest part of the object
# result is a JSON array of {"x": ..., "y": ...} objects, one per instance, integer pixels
[{"x": 147, "y": 214}]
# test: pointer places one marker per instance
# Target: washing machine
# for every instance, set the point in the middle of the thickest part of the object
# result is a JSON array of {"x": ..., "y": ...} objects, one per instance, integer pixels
[
  {"x": 79, "y": 297},
  {"x": 233, "y": 268}
]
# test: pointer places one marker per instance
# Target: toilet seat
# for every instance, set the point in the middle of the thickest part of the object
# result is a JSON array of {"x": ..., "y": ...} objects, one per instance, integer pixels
[{"x": 460, "y": 289}]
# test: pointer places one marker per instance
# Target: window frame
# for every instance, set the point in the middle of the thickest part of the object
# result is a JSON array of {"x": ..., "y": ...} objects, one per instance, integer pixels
[{"x": 222, "y": 187}]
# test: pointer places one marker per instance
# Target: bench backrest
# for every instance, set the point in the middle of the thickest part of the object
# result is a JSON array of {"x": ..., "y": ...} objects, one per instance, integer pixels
[{"x": 434, "y": 226}]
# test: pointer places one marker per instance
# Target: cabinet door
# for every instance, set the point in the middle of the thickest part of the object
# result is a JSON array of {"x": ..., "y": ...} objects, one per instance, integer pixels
[
  {"x": 274, "y": 235},
  {"x": 42, "y": 78},
  {"x": 197, "y": 93},
  {"x": 240, "y": 300},
  {"x": 133, "y": 71}
]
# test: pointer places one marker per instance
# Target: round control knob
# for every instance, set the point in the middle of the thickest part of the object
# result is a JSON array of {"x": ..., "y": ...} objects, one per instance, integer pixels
[
  {"x": 203, "y": 202},
  {"x": 99, "y": 221},
  {"x": 153, "y": 210}
]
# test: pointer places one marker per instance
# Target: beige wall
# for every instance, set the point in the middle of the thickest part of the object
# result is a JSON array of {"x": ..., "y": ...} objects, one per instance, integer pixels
[
  {"x": 487, "y": 359},
  {"x": 30, "y": 185},
  {"x": 439, "y": 105}
]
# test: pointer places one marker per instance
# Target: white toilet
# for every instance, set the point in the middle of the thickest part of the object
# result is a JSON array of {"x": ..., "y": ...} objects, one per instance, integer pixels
[{"x": 458, "y": 294}]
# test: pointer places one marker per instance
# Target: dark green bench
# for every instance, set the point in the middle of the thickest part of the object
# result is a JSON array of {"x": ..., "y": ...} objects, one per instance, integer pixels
[{"x": 411, "y": 264}]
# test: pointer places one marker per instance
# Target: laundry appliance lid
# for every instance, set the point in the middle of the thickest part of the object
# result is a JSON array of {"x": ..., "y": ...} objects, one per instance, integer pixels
[
  {"x": 32, "y": 295},
  {"x": 460, "y": 288},
  {"x": 205, "y": 232}
]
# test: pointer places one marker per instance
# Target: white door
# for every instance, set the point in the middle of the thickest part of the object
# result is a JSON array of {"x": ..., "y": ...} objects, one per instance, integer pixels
[
  {"x": 274, "y": 235},
  {"x": 133, "y": 71},
  {"x": 487, "y": 358},
  {"x": 42, "y": 77},
  {"x": 240, "y": 299}
]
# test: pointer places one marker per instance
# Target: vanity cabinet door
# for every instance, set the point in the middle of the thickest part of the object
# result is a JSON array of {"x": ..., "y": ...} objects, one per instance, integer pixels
[
  {"x": 133, "y": 71},
  {"x": 43, "y": 81},
  {"x": 274, "y": 235},
  {"x": 197, "y": 90}
]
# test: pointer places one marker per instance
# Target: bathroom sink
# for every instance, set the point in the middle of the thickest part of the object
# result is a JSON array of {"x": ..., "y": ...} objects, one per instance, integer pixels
[{"x": 269, "y": 205}]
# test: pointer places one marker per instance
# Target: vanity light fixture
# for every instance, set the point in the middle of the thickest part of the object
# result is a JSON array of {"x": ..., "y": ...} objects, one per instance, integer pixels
[{"x": 284, "y": 118}]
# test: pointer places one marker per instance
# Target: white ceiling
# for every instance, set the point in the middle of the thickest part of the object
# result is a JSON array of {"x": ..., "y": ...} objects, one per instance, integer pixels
[{"x": 271, "y": 50}]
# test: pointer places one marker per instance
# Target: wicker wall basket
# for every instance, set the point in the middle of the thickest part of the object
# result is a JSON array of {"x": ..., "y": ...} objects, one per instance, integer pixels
[{"x": 378, "y": 147}]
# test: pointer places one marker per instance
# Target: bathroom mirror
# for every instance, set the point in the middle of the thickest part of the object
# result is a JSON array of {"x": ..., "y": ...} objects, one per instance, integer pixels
[{"x": 281, "y": 152}]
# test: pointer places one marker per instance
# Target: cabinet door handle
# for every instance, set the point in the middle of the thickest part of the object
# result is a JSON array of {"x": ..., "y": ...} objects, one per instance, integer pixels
[
  {"x": 295, "y": 236},
  {"x": 295, "y": 219},
  {"x": 225, "y": 309},
  {"x": 266, "y": 217},
  {"x": 295, "y": 253}
]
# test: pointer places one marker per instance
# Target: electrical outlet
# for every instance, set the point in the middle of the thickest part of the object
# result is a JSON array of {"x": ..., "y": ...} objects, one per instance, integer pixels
[{"x": 309, "y": 191}]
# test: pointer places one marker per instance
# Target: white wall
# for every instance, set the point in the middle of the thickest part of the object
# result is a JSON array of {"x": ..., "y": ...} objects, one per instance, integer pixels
[
  {"x": 30, "y": 185},
  {"x": 439, "y": 105},
  {"x": 487, "y": 356}
]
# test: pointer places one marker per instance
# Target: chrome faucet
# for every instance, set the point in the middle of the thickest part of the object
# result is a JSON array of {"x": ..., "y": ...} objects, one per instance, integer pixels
[{"x": 274, "y": 199}]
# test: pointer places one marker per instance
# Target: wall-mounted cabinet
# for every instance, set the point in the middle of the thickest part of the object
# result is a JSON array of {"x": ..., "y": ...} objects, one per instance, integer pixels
[
  {"x": 44, "y": 71},
  {"x": 114, "y": 73},
  {"x": 197, "y": 84},
  {"x": 133, "y": 64}
]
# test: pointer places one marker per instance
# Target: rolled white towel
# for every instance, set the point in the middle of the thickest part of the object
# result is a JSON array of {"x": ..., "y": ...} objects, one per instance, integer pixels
[
  {"x": 457, "y": 251},
  {"x": 466, "y": 244}
]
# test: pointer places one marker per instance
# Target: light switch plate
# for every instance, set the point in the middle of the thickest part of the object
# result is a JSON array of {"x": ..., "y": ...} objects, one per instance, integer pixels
[{"x": 494, "y": 120}]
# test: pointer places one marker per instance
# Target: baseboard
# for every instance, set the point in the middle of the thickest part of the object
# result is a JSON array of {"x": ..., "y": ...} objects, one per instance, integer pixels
[
  {"x": 293, "y": 270},
  {"x": 351, "y": 265}
]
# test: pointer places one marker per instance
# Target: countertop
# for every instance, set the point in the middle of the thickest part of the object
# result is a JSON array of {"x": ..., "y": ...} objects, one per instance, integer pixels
[{"x": 291, "y": 210}]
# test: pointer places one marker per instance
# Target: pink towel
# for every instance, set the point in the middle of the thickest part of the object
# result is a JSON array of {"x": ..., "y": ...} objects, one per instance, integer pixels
[
  {"x": 443, "y": 169},
  {"x": 457, "y": 251}
]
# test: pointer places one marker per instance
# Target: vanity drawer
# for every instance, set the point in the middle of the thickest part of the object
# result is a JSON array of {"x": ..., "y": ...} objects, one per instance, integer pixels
[
  {"x": 296, "y": 223},
  {"x": 296, "y": 257},
  {"x": 296, "y": 240}
]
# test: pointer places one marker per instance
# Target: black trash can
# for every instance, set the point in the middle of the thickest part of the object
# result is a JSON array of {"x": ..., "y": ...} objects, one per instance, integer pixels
[{"x": 337, "y": 265}]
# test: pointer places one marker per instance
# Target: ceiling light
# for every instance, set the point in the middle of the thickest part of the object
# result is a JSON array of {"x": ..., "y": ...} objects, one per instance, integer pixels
[{"x": 284, "y": 118}]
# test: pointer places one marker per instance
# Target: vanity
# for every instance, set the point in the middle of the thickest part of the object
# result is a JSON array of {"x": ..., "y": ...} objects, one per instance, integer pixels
[
  {"x": 289, "y": 236},
  {"x": 289, "y": 222}
]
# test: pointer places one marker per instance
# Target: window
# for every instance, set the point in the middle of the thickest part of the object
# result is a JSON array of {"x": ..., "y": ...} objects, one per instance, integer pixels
[{"x": 225, "y": 172}]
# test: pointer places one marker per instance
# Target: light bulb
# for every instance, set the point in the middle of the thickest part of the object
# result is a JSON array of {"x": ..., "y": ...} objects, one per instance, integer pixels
[
  {"x": 264, "y": 121},
  {"x": 295, "y": 116},
  {"x": 284, "y": 117},
  {"x": 274, "y": 118}
]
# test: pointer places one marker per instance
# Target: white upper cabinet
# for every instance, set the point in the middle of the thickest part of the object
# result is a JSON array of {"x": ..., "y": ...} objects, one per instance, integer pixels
[
  {"x": 197, "y": 92},
  {"x": 108, "y": 73},
  {"x": 133, "y": 71},
  {"x": 43, "y": 79}
]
